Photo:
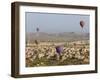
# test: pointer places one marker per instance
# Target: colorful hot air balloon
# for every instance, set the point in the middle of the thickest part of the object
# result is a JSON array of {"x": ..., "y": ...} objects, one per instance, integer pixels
[
  {"x": 59, "y": 49},
  {"x": 82, "y": 23}
]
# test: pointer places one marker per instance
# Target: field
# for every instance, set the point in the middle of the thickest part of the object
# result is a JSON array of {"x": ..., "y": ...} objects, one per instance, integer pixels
[{"x": 45, "y": 54}]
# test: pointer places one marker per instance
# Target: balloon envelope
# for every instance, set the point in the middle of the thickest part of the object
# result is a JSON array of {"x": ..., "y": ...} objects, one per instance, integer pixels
[
  {"x": 37, "y": 29},
  {"x": 36, "y": 42},
  {"x": 82, "y": 23},
  {"x": 59, "y": 49}
]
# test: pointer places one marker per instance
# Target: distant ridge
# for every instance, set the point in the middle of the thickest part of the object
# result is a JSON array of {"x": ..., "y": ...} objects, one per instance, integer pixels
[{"x": 65, "y": 36}]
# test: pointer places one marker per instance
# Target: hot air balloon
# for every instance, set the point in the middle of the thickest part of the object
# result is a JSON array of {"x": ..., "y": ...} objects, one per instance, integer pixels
[
  {"x": 37, "y": 29},
  {"x": 82, "y": 23},
  {"x": 37, "y": 32},
  {"x": 59, "y": 49},
  {"x": 36, "y": 42},
  {"x": 37, "y": 35}
]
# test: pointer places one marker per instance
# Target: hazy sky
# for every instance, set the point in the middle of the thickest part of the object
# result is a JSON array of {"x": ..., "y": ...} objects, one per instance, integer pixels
[{"x": 55, "y": 23}]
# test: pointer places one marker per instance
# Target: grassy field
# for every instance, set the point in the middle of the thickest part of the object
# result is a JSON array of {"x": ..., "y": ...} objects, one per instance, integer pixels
[{"x": 45, "y": 54}]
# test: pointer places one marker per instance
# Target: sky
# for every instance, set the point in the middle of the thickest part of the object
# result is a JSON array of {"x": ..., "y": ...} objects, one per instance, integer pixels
[{"x": 55, "y": 22}]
